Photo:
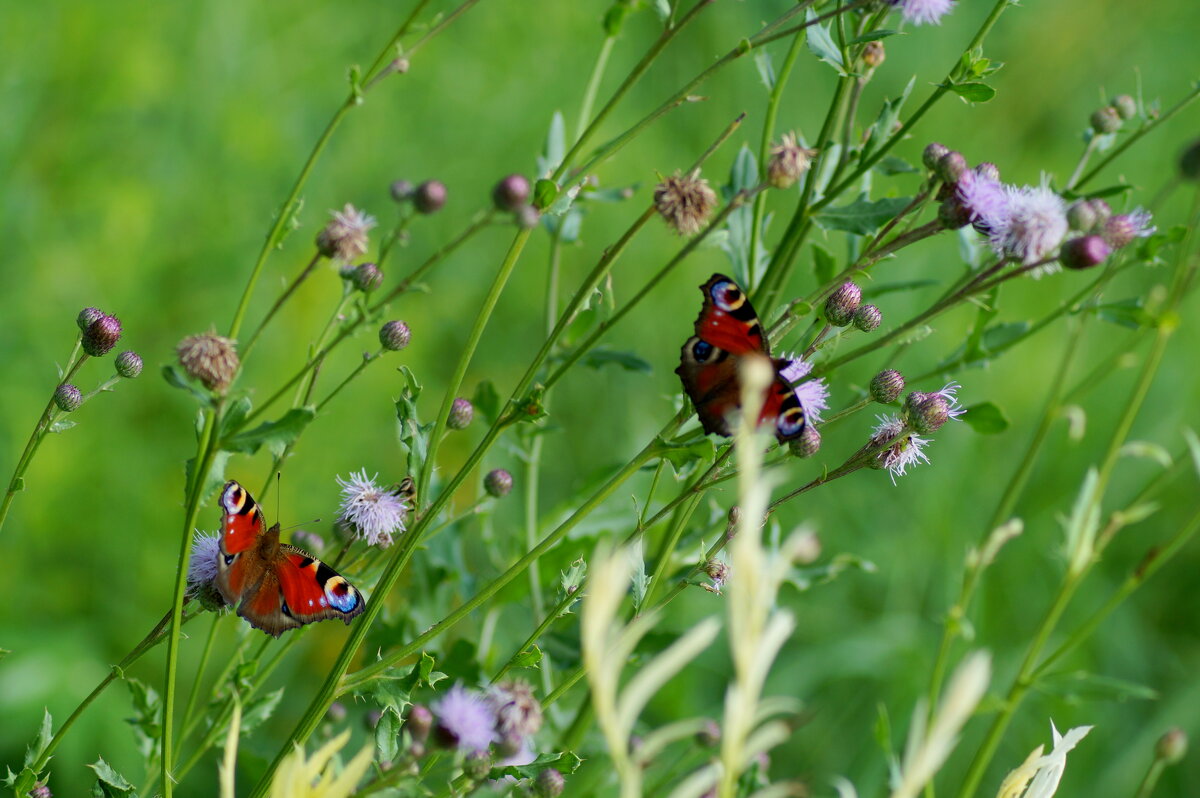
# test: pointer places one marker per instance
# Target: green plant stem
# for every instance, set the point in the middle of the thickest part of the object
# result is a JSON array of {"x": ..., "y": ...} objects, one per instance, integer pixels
[
  {"x": 194, "y": 693},
  {"x": 670, "y": 542},
  {"x": 366, "y": 361},
  {"x": 593, "y": 85},
  {"x": 1083, "y": 159},
  {"x": 1153, "y": 774},
  {"x": 548, "y": 621},
  {"x": 280, "y": 301}
]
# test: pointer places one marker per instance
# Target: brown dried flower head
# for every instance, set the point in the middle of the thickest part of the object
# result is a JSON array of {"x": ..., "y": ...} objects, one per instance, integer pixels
[
  {"x": 345, "y": 237},
  {"x": 685, "y": 202},
  {"x": 210, "y": 358},
  {"x": 518, "y": 713},
  {"x": 788, "y": 162}
]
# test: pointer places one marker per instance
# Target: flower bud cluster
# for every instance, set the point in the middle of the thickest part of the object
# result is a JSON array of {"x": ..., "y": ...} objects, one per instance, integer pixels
[{"x": 1111, "y": 117}]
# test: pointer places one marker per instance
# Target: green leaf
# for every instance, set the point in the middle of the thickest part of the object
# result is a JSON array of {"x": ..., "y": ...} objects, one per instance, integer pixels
[
  {"x": 291, "y": 222},
  {"x": 891, "y": 165},
  {"x": 486, "y": 400},
  {"x": 1193, "y": 444},
  {"x": 19, "y": 485},
  {"x": 109, "y": 780},
  {"x": 275, "y": 435},
  {"x": 544, "y": 193},
  {"x": 235, "y": 414},
  {"x": 739, "y": 227},
  {"x": 600, "y": 357},
  {"x": 873, "y": 36},
  {"x": 565, "y": 763},
  {"x": 259, "y": 710},
  {"x": 766, "y": 70},
  {"x": 529, "y": 658},
  {"x": 20, "y": 783},
  {"x": 807, "y": 578},
  {"x": 532, "y": 406},
  {"x": 822, "y": 44},
  {"x": 974, "y": 92},
  {"x": 824, "y": 264},
  {"x": 889, "y": 114},
  {"x": 215, "y": 477},
  {"x": 176, "y": 379},
  {"x": 663, "y": 9},
  {"x": 387, "y": 736},
  {"x": 863, "y": 216},
  {"x": 62, "y": 425},
  {"x": 684, "y": 456},
  {"x": 1000, "y": 336},
  {"x": 1083, "y": 686},
  {"x": 555, "y": 147},
  {"x": 414, "y": 435},
  {"x": 1129, "y": 313},
  {"x": 146, "y": 721},
  {"x": 986, "y": 418},
  {"x": 45, "y": 733}
]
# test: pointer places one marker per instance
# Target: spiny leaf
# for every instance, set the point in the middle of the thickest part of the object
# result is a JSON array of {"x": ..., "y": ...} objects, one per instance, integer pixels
[
  {"x": 863, "y": 216},
  {"x": 275, "y": 435},
  {"x": 565, "y": 763}
]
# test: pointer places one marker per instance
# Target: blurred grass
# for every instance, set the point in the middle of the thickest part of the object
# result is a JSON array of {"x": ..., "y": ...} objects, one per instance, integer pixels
[{"x": 145, "y": 148}]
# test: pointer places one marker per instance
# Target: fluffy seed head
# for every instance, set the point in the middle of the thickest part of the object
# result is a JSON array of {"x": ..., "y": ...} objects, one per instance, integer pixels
[
  {"x": 1106, "y": 120},
  {"x": 67, "y": 397},
  {"x": 951, "y": 166},
  {"x": 212, "y": 359},
  {"x": 464, "y": 720},
  {"x": 923, "y": 12},
  {"x": 548, "y": 784},
  {"x": 840, "y": 307},
  {"x": 128, "y": 364},
  {"x": 788, "y": 162},
  {"x": 518, "y": 713},
  {"x": 1084, "y": 252},
  {"x": 874, "y": 54},
  {"x": 684, "y": 202},
  {"x": 498, "y": 483},
  {"x": 394, "y": 335},
  {"x": 101, "y": 335},
  {"x": 808, "y": 444},
  {"x": 1121, "y": 230},
  {"x": 371, "y": 512},
  {"x": 867, "y": 318},
  {"x": 933, "y": 153},
  {"x": 511, "y": 193},
  {"x": 886, "y": 386},
  {"x": 401, "y": 190},
  {"x": 461, "y": 413},
  {"x": 1126, "y": 106},
  {"x": 345, "y": 236},
  {"x": 430, "y": 196},
  {"x": 419, "y": 722},
  {"x": 87, "y": 316},
  {"x": 366, "y": 277},
  {"x": 1036, "y": 224}
]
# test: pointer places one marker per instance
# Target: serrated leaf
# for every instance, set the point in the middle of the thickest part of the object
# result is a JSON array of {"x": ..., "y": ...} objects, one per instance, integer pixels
[
  {"x": 291, "y": 222},
  {"x": 45, "y": 733},
  {"x": 146, "y": 723},
  {"x": 986, "y": 418},
  {"x": 822, "y": 44},
  {"x": 885, "y": 123},
  {"x": 683, "y": 456},
  {"x": 275, "y": 435},
  {"x": 414, "y": 435},
  {"x": 176, "y": 379},
  {"x": 974, "y": 92},
  {"x": 565, "y": 763},
  {"x": 863, "y": 216},
  {"x": 110, "y": 778},
  {"x": 387, "y": 736},
  {"x": 600, "y": 357},
  {"x": 258, "y": 710},
  {"x": 62, "y": 425},
  {"x": 1084, "y": 686},
  {"x": 235, "y": 414},
  {"x": 739, "y": 227},
  {"x": 20, "y": 783},
  {"x": 529, "y": 658},
  {"x": 641, "y": 580}
]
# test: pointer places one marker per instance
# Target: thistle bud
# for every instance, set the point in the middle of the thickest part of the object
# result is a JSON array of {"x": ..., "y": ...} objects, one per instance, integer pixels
[
  {"x": 926, "y": 412},
  {"x": 477, "y": 765},
  {"x": 788, "y": 162},
  {"x": 527, "y": 217},
  {"x": 336, "y": 712},
  {"x": 67, "y": 397},
  {"x": 366, "y": 277},
  {"x": 498, "y": 483},
  {"x": 873, "y": 54},
  {"x": 684, "y": 202},
  {"x": 1189, "y": 162},
  {"x": 1125, "y": 106},
  {"x": 840, "y": 307},
  {"x": 401, "y": 190},
  {"x": 430, "y": 196},
  {"x": 211, "y": 359},
  {"x": 87, "y": 316},
  {"x": 419, "y": 722},
  {"x": 988, "y": 171},
  {"x": 709, "y": 735},
  {"x": 951, "y": 166},
  {"x": 953, "y": 213},
  {"x": 933, "y": 153},
  {"x": 345, "y": 236},
  {"x": 1084, "y": 252},
  {"x": 511, "y": 193},
  {"x": 394, "y": 335},
  {"x": 886, "y": 386},
  {"x": 548, "y": 784},
  {"x": 461, "y": 413},
  {"x": 128, "y": 365},
  {"x": 1106, "y": 120},
  {"x": 41, "y": 790},
  {"x": 808, "y": 444},
  {"x": 867, "y": 318},
  {"x": 1082, "y": 216},
  {"x": 1172, "y": 746},
  {"x": 101, "y": 335},
  {"x": 1102, "y": 210}
]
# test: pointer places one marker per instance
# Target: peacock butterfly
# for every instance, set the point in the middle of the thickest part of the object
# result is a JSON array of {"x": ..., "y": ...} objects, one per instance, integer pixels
[
  {"x": 727, "y": 330},
  {"x": 275, "y": 586}
]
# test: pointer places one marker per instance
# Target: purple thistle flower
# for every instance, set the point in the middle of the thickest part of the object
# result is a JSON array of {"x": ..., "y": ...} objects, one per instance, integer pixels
[
  {"x": 924, "y": 12},
  {"x": 465, "y": 719},
  {"x": 813, "y": 394},
  {"x": 1036, "y": 225},
  {"x": 1121, "y": 230},
  {"x": 950, "y": 393},
  {"x": 905, "y": 451},
  {"x": 985, "y": 199},
  {"x": 369, "y": 511},
  {"x": 202, "y": 566}
]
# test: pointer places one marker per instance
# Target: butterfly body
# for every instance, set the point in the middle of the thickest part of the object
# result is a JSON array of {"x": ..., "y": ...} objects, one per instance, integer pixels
[
  {"x": 726, "y": 331},
  {"x": 275, "y": 586}
]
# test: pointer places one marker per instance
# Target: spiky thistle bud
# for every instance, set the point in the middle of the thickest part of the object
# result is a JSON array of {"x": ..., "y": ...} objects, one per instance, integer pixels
[
  {"x": 1189, "y": 161},
  {"x": 67, "y": 397},
  {"x": 1106, "y": 120},
  {"x": 394, "y": 335},
  {"x": 461, "y": 413},
  {"x": 988, "y": 171},
  {"x": 1084, "y": 252},
  {"x": 808, "y": 444},
  {"x": 366, "y": 277},
  {"x": 527, "y": 217},
  {"x": 41, "y": 790},
  {"x": 840, "y": 307},
  {"x": 477, "y": 765},
  {"x": 548, "y": 784},
  {"x": 511, "y": 193},
  {"x": 430, "y": 196},
  {"x": 419, "y": 722},
  {"x": 128, "y": 364},
  {"x": 345, "y": 236},
  {"x": 788, "y": 162},
  {"x": 953, "y": 213},
  {"x": 933, "y": 153},
  {"x": 951, "y": 166},
  {"x": 685, "y": 202},
  {"x": 87, "y": 316},
  {"x": 101, "y": 335},
  {"x": 1125, "y": 105},
  {"x": 867, "y": 318},
  {"x": 1172, "y": 746},
  {"x": 717, "y": 571},
  {"x": 1082, "y": 216},
  {"x": 873, "y": 54},
  {"x": 401, "y": 190},
  {"x": 1102, "y": 210},
  {"x": 926, "y": 412},
  {"x": 886, "y": 386},
  {"x": 212, "y": 359},
  {"x": 498, "y": 483}
]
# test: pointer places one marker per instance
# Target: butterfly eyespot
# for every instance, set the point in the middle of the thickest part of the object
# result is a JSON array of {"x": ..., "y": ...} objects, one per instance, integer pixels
[
  {"x": 790, "y": 422},
  {"x": 728, "y": 296},
  {"x": 702, "y": 351},
  {"x": 229, "y": 558}
]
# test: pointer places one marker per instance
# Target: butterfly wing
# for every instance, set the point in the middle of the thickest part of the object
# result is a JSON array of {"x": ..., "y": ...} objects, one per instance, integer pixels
[
  {"x": 312, "y": 591},
  {"x": 241, "y": 527},
  {"x": 782, "y": 408},
  {"x": 727, "y": 319}
]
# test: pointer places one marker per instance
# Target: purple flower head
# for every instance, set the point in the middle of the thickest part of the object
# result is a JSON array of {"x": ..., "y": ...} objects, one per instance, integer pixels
[
  {"x": 923, "y": 12},
  {"x": 369, "y": 511},
  {"x": 813, "y": 394},
  {"x": 1036, "y": 225},
  {"x": 202, "y": 567},
  {"x": 950, "y": 393},
  {"x": 905, "y": 451},
  {"x": 985, "y": 199},
  {"x": 1121, "y": 230},
  {"x": 465, "y": 720}
]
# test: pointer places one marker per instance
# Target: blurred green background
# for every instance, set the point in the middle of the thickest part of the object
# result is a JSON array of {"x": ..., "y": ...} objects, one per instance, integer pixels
[{"x": 145, "y": 147}]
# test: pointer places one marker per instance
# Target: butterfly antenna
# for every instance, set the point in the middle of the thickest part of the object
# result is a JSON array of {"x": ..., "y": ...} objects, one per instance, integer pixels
[
  {"x": 278, "y": 491},
  {"x": 302, "y": 523}
]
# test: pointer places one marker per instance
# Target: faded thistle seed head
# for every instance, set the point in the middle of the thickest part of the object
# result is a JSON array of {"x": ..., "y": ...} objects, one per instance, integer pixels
[
  {"x": 874, "y": 54},
  {"x": 717, "y": 571},
  {"x": 1189, "y": 161},
  {"x": 685, "y": 202},
  {"x": 1084, "y": 252},
  {"x": 430, "y": 196},
  {"x": 101, "y": 335},
  {"x": 511, "y": 193},
  {"x": 1172, "y": 746},
  {"x": 867, "y": 318},
  {"x": 840, "y": 307},
  {"x": 128, "y": 364},
  {"x": 394, "y": 335},
  {"x": 1106, "y": 120},
  {"x": 548, "y": 784},
  {"x": 461, "y": 413},
  {"x": 67, "y": 397},
  {"x": 401, "y": 190},
  {"x": 926, "y": 412},
  {"x": 951, "y": 166},
  {"x": 87, "y": 316},
  {"x": 419, "y": 722},
  {"x": 345, "y": 236},
  {"x": 933, "y": 153},
  {"x": 788, "y": 162},
  {"x": 518, "y": 712},
  {"x": 808, "y": 444},
  {"x": 366, "y": 277},
  {"x": 498, "y": 483},
  {"x": 886, "y": 386},
  {"x": 1082, "y": 216},
  {"x": 1125, "y": 105},
  {"x": 212, "y": 359}
]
